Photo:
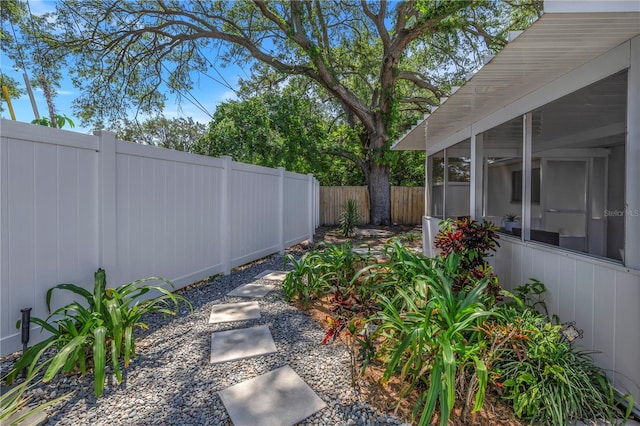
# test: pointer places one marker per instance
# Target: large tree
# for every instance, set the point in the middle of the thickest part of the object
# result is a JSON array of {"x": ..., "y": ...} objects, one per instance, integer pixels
[
  {"x": 179, "y": 133},
  {"x": 283, "y": 127},
  {"x": 25, "y": 38},
  {"x": 373, "y": 58}
]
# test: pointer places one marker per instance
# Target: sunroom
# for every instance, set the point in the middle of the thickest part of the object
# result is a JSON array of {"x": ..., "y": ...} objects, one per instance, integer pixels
[{"x": 547, "y": 132}]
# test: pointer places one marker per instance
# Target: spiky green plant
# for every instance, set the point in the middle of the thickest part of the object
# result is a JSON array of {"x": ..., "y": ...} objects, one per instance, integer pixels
[
  {"x": 349, "y": 218},
  {"x": 430, "y": 336},
  {"x": 14, "y": 404},
  {"x": 98, "y": 330}
]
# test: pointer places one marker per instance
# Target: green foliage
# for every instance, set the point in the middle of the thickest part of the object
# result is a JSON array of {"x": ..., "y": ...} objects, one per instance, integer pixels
[
  {"x": 531, "y": 296},
  {"x": 14, "y": 89},
  {"x": 99, "y": 329},
  {"x": 549, "y": 382},
  {"x": 349, "y": 218},
  {"x": 450, "y": 343},
  {"x": 60, "y": 121},
  {"x": 179, "y": 133},
  {"x": 303, "y": 281},
  {"x": 429, "y": 337},
  {"x": 13, "y": 403},
  {"x": 317, "y": 272},
  {"x": 287, "y": 128},
  {"x": 28, "y": 40}
]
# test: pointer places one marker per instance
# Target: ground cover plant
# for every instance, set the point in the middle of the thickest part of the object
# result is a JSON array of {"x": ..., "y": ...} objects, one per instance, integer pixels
[
  {"x": 446, "y": 330},
  {"x": 14, "y": 404},
  {"x": 98, "y": 330}
]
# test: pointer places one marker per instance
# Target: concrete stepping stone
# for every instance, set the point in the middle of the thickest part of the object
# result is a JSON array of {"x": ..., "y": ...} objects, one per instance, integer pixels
[
  {"x": 241, "y": 343},
  {"x": 229, "y": 312},
  {"x": 272, "y": 275},
  {"x": 277, "y": 398},
  {"x": 251, "y": 290}
]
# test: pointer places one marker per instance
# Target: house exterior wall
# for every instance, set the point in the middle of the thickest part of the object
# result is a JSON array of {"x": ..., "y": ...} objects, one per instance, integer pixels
[
  {"x": 601, "y": 297},
  {"x": 71, "y": 203}
]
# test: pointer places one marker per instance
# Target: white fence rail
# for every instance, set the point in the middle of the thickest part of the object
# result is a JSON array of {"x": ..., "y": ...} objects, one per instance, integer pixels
[{"x": 71, "y": 203}]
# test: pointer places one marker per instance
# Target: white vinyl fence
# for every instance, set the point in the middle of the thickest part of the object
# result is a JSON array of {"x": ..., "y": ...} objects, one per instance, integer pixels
[{"x": 71, "y": 203}]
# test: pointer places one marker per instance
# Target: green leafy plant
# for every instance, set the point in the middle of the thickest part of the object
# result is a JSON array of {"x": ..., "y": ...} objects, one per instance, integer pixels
[
  {"x": 349, "y": 218},
  {"x": 549, "y": 382},
  {"x": 531, "y": 296},
  {"x": 473, "y": 242},
  {"x": 60, "y": 121},
  {"x": 303, "y": 281},
  {"x": 510, "y": 217},
  {"x": 429, "y": 336},
  {"x": 13, "y": 402},
  {"x": 321, "y": 271},
  {"x": 100, "y": 329}
]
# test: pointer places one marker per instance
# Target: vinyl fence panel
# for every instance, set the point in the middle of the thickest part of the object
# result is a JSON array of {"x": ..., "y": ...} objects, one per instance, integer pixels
[{"x": 71, "y": 203}]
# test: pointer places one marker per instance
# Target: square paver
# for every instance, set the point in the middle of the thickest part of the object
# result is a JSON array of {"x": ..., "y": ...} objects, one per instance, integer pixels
[
  {"x": 278, "y": 398},
  {"x": 251, "y": 290},
  {"x": 228, "y": 312},
  {"x": 272, "y": 275},
  {"x": 241, "y": 343}
]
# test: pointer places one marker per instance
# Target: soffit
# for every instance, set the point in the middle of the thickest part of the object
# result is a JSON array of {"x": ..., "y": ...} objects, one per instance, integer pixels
[{"x": 554, "y": 45}]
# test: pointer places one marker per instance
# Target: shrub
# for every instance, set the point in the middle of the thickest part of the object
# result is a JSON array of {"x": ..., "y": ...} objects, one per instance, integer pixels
[
  {"x": 100, "y": 330},
  {"x": 550, "y": 382},
  {"x": 349, "y": 218},
  {"x": 430, "y": 337},
  {"x": 545, "y": 379},
  {"x": 473, "y": 242},
  {"x": 320, "y": 271}
]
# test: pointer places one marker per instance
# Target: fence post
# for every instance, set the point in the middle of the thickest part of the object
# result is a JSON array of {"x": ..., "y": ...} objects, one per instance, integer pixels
[
  {"x": 225, "y": 225},
  {"x": 281, "y": 210},
  {"x": 107, "y": 212},
  {"x": 310, "y": 208}
]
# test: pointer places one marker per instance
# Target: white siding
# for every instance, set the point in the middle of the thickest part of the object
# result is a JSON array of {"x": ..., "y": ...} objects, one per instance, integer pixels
[{"x": 600, "y": 296}]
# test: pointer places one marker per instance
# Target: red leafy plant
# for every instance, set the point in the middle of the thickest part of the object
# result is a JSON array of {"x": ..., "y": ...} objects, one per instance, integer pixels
[{"x": 472, "y": 241}]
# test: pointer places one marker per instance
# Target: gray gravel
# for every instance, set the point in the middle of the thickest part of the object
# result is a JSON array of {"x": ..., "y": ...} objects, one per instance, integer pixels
[{"x": 172, "y": 382}]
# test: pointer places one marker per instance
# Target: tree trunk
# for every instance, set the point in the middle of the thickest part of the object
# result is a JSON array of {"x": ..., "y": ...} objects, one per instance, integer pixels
[{"x": 379, "y": 193}]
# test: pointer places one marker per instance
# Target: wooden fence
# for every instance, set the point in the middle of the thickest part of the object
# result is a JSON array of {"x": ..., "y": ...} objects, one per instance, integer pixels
[{"x": 407, "y": 203}]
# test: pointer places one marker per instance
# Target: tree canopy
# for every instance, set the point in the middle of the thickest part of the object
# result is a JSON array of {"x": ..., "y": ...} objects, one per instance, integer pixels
[
  {"x": 382, "y": 63},
  {"x": 179, "y": 133}
]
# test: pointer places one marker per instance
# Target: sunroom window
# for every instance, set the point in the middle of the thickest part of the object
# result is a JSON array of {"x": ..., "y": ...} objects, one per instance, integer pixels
[
  {"x": 449, "y": 177},
  {"x": 502, "y": 162},
  {"x": 578, "y": 144}
]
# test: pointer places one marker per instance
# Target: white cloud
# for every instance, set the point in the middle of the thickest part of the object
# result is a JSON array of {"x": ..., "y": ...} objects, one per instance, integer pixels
[{"x": 229, "y": 95}]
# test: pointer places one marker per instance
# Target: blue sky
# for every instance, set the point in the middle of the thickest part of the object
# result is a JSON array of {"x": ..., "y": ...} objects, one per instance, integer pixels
[{"x": 207, "y": 91}]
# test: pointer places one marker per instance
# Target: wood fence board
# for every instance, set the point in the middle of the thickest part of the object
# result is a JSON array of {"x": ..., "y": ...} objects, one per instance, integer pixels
[{"x": 407, "y": 203}]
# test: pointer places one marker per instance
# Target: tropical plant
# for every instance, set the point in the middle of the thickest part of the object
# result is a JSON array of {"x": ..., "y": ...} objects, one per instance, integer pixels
[
  {"x": 349, "y": 218},
  {"x": 60, "y": 121},
  {"x": 101, "y": 329},
  {"x": 430, "y": 336},
  {"x": 473, "y": 242},
  {"x": 547, "y": 381},
  {"x": 326, "y": 268},
  {"x": 13, "y": 402},
  {"x": 303, "y": 281},
  {"x": 510, "y": 217},
  {"x": 531, "y": 296}
]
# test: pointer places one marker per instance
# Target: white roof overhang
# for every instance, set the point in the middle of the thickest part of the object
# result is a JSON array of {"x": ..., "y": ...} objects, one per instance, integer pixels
[{"x": 557, "y": 43}]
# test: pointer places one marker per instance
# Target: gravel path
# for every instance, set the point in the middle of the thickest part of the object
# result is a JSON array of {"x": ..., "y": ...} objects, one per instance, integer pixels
[{"x": 172, "y": 382}]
